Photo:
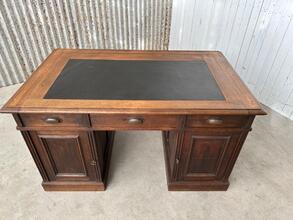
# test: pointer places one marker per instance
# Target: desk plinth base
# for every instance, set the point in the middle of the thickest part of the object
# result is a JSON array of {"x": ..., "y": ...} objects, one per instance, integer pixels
[
  {"x": 65, "y": 186},
  {"x": 198, "y": 186}
]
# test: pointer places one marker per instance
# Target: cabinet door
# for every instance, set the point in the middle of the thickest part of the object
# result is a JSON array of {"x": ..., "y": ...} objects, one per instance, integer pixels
[
  {"x": 205, "y": 154},
  {"x": 66, "y": 155}
]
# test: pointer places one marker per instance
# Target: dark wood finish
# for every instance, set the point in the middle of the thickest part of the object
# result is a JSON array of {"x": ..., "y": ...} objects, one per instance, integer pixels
[
  {"x": 71, "y": 140},
  {"x": 238, "y": 99},
  {"x": 205, "y": 154},
  {"x": 203, "y": 158},
  {"x": 59, "y": 120},
  {"x": 66, "y": 155},
  {"x": 101, "y": 168},
  {"x": 135, "y": 122},
  {"x": 69, "y": 160},
  {"x": 172, "y": 168},
  {"x": 212, "y": 121},
  {"x": 171, "y": 139},
  {"x": 87, "y": 185}
]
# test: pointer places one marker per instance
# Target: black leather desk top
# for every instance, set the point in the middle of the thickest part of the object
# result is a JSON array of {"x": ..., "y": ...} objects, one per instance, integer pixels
[{"x": 135, "y": 80}]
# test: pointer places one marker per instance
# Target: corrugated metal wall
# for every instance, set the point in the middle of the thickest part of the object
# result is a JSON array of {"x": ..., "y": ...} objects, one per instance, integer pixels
[
  {"x": 255, "y": 35},
  {"x": 31, "y": 29}
]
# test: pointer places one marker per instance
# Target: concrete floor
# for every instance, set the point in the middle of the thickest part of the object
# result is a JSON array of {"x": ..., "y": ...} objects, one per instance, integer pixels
[{"x": 260, "y": 185}]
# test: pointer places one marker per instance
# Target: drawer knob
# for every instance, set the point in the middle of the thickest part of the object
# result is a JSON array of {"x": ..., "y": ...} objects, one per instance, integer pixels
[
  {"x": 135, "y": 121},
  {"x": 52, "y": 120},
  {"x": 215, "y": 121}
]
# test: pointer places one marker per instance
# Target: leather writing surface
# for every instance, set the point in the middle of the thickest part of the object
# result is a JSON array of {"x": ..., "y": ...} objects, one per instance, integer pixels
[{"x": 135, "y": 80}]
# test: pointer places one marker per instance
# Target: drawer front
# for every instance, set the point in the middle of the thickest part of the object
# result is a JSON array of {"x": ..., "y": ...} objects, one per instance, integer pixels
[
  {"x": 217, "y": 121},
  {"x": 136, "y": 122},
  {"x": 50, "y": 120}
]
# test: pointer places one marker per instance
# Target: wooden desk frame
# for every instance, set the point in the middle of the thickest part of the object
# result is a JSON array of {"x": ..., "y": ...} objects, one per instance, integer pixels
[{"x": 202, "y": 138}]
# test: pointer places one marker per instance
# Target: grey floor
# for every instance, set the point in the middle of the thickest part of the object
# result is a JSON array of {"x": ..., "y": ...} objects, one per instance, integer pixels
[{"x": 261, "y": 184}]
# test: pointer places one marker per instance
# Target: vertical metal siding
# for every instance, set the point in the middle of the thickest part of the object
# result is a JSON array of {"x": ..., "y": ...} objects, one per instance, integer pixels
[
  {"x": 255, "y": 35},
  {"x": 31, "y": 29}
]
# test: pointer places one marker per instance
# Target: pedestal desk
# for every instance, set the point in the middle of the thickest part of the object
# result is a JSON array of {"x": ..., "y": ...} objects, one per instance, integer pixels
[{"x": 70, "y": 107}]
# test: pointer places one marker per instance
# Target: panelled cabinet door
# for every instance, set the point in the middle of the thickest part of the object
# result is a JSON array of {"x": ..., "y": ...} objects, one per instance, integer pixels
[
  {"x": 205, "y": 154},
  {"x": 66, "y": 155}
]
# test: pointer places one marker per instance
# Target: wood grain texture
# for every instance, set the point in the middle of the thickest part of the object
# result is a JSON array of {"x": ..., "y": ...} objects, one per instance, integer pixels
[
  {"x": 100, "y": 185},
  {"x": 174, "y": 184},
  {"x": 146, "y": 122},
  {"x": 74, "y": 120},
  {"x": 66, "y": 155},
  {"x": 216, "y": 121},
  {"x": 71, "y": 140},
  {"x": 29, "y": 98}
]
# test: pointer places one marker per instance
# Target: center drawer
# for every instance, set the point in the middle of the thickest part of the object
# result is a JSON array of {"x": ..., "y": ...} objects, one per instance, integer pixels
[{"x": 135, "y": 122}]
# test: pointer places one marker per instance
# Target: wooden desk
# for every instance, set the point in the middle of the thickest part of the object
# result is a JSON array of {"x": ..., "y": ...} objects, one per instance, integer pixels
[{"x": 68, "y": 110}]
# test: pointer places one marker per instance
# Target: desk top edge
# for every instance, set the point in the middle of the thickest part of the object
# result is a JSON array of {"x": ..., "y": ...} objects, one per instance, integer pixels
[{"x": 248, "y": 105}]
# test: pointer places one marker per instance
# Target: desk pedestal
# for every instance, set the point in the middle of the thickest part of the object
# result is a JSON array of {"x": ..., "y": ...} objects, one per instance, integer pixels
[
  {"x": 201, "y": 159},
  {"x": 71, "y": 160},
  {"x": 200, "y": 151}
]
